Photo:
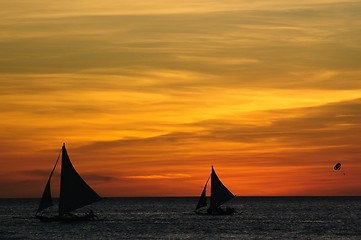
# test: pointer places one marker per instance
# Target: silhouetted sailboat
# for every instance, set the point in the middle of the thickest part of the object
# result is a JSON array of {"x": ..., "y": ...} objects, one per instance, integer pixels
[
  {"x": 219, "y": 195},
  {"x": 74, "y": 193}
]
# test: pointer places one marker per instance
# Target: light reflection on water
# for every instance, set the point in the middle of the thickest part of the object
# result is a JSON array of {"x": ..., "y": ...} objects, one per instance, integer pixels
[{"x": 173, "y": 218}]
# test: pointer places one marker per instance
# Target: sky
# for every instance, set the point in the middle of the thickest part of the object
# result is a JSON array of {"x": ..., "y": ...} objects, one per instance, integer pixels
[{"x": 148, "y": 95}]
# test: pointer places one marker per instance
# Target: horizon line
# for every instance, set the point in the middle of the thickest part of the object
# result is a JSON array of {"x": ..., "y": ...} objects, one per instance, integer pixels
[{"x": 264, "y": 196}]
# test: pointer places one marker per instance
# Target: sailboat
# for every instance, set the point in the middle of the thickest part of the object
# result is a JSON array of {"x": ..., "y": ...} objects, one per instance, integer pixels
[
  {"x": 74, "y": 193},
  {"x": 219, "y": 195}
]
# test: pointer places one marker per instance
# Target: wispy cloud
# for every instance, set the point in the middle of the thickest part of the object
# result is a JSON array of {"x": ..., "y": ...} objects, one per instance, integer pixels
[
  {"x": 271, "y": 84},
  {"x": 161, "y": 176},
  {"x": 333, "y": 128},
  {"x": 38, "y": 8}
]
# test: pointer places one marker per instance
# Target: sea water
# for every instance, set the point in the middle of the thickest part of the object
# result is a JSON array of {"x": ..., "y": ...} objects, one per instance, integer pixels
[{"x": 173, "y": 218}]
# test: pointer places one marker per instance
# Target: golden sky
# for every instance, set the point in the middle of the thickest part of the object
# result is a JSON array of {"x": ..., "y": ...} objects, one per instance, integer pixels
[{"x": 148, "y": 95}]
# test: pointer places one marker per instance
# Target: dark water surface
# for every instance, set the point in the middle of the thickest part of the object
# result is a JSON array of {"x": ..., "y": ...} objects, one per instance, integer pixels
[{"x": 173, "y": 218}]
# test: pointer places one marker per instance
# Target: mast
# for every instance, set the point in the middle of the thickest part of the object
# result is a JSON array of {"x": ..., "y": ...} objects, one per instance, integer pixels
[
  {"x": 74, "y": 191},
  {"x": 202, "y": 202},
  {"x": 219, "y": 193},
  {"x": 46, "y": 199}
]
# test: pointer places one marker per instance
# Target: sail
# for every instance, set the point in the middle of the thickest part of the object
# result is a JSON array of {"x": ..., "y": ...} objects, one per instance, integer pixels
[
  {"x": 46, "y": 199},
  {"x": 219, "y": 193},
  {"x": 74, "y": 191},
  {"x": 203, "y": 198}
]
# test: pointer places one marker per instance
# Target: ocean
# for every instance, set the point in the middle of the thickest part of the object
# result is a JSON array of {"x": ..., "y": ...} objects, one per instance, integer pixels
[{"x": 173, "y": 218}]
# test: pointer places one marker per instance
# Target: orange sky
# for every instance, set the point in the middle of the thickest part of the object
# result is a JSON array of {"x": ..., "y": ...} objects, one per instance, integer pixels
[{"x": 148, "y": 95}]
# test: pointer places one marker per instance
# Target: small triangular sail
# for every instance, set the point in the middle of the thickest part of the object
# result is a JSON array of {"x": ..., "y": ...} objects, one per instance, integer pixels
[
  {"x": 219, "y": 193},
  {"x": 74, "y": 191},
  {"x": 46, "y": 199},
  {"x": 203, "y": 198}
]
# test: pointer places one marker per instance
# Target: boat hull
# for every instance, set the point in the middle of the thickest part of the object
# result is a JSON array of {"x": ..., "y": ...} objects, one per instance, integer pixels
[{"x": 218, "y": 212}]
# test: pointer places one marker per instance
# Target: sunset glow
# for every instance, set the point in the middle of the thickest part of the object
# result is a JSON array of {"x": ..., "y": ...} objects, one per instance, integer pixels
[{"x": 148, "y": 95}]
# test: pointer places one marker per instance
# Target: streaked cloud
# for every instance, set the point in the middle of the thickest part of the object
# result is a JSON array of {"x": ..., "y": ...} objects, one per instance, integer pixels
[
  {"x": 164, "y": 176},
  {"x": 272, "y": 87},
  {"x": 19, "y": 9}
]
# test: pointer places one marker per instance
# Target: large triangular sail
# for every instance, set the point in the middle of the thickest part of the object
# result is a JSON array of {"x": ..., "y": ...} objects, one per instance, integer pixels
[
  {"x": 203, "y": 198},
  {"x": 219, "y": 193},
  {"x": 74, "y": 191},
  {"x": 46, "y": 199}
]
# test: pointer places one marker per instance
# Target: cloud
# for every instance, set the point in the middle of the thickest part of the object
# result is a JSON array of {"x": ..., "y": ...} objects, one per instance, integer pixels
[
  {"x": 306, "y": 136},
  {"x": 261, "y": 83},
  {"x": 298, "y": 144},
  {"x": 161, "y": 176},
  {"x": 39, "y": 172},
  {"x": 270, "y": 48},
  {"x": 98, "y": 178},
  {"x": 45, "y": 9},
  {"x": 88, "y": 176}
]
